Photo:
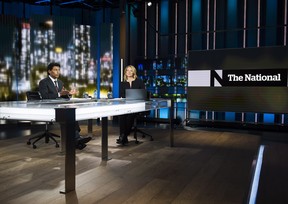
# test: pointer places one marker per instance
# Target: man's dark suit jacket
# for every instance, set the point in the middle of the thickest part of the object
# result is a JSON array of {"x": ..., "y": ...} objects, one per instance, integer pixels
[{"x": 47, "y": 88}]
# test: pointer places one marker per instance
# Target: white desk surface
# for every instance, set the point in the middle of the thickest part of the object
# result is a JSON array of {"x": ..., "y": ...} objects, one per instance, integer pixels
[{"x": 44, "y": 110}]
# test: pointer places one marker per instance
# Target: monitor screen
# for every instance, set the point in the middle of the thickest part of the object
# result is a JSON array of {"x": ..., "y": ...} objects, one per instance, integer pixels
[{"x": 136, "y": 94}]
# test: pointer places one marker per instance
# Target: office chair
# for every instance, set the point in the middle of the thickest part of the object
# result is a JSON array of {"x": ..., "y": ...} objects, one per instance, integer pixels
[
  {"x": 140, "y": 116},
  {"x": 34, "y": 96}
]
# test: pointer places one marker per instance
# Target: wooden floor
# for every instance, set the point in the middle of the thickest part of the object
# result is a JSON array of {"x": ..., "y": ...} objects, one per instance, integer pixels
[
  {"x": 203, "y": 167},
  {"x": 273, "y": 185}
]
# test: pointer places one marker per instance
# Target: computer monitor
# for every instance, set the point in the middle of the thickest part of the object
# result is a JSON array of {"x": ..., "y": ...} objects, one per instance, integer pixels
[{"x": 136, "y": 94}]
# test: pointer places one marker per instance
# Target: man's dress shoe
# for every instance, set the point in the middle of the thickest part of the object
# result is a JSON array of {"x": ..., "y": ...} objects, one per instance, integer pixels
[
  {"x": 81, "y": 146},
  {"x": 122, "y": 140},
  {"x": 84, "y": 140},
  {"x": 81, "y": 142}
]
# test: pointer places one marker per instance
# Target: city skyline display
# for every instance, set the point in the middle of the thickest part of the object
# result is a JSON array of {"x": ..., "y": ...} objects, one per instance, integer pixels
[{"x": 28, "y": 46}]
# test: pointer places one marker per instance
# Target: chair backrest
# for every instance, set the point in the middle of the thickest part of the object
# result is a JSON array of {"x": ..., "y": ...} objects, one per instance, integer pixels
[{"x": 33, "y": 95}]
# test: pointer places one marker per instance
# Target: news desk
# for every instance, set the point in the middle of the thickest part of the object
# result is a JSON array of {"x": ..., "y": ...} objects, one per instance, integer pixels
[{"x": 67, "y": 111}]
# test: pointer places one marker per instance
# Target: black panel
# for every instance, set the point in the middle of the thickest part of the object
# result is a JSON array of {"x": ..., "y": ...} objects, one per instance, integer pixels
[{"x": 268, "y": 99}]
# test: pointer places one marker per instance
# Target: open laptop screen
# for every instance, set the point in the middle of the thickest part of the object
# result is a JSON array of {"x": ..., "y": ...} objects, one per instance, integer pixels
[{"x": 136, "y": 94}]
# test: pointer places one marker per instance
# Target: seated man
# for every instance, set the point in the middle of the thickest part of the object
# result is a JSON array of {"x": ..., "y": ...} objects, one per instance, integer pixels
[{"x": 52, "y": 88}]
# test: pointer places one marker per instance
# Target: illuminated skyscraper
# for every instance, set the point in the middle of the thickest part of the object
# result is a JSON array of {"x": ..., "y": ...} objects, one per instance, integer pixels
[
  {"x": 25, "y": 51},
  {"x": 82, "y": 50},
  {"x": 44, "y": 44}
]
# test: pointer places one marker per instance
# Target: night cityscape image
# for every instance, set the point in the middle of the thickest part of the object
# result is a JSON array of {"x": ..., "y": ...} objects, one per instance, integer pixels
[{"x": 28, "y": 46}]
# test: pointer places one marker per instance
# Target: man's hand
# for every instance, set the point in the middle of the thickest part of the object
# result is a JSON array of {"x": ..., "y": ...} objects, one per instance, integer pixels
[
  {"x": 73, "y": 91},
  {"x": 64, "y": 92}
]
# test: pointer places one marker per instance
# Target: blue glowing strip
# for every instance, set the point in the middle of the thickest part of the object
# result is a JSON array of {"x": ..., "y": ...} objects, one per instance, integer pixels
[
  {"x": 87, "y": 5},
  {"x": 255, "y": 183},
  {"x": 43, "y": 1},
  {"x": 71, "y": 2}
]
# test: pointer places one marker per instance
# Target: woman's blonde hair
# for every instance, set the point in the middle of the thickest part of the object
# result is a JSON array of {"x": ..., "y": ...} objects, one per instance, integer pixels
[{"x": 134, "y": 71}]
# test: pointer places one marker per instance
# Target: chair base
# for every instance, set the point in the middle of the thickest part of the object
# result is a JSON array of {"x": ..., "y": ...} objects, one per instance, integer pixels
[
  {"x": 47, "y": 135},
  {"x": 144, "y": 134}
]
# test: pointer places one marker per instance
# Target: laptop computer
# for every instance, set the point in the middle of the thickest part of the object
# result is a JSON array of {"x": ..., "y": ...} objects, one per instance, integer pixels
[{"x": 136, "y": 94}]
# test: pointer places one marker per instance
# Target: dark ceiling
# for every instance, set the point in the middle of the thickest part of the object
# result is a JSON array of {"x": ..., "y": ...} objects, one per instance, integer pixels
[{"x": 85, "y": 4}]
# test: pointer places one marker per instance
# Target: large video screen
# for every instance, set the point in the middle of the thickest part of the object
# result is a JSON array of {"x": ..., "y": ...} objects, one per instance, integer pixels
[
  {"x": 28, "y": 46},
  {"x": 238, "y": 80}
]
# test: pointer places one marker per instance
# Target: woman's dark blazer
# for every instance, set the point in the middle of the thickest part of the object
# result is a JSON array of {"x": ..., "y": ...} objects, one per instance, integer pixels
[{"x": 136, "y": 84}]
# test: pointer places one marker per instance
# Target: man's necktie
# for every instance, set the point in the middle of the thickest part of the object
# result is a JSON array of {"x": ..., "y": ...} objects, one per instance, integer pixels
[{"x": 56, "y": 86}]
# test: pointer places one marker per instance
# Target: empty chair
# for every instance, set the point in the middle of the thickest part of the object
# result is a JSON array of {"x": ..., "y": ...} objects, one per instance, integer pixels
[{"x": 34, "y": 96}]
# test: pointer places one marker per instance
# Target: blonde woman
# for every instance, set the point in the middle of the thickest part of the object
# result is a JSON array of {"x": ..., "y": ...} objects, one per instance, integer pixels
[{"x": 131, "y": 81}]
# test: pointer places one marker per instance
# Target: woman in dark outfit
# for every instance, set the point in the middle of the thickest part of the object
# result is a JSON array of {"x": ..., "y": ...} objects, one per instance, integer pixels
[{"x": 126, "y": 121}]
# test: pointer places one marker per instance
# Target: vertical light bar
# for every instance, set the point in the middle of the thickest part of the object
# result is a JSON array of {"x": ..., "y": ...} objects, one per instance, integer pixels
[
  {"x": 282, "y": 118},
  {"x": 244, "y": 23},
  {"x": 214, "y": 26},
  {"x": 145, "y": 31},
  {"x": 285, "y": 24},
  {"x": 258, "y": 22},
  {"x": 242, "y": 117},
  {"x": 157, "y": 29},
  {"x": 121, "y": 69},
  {"x": 256, "y": 176},
  {"x": 244, "y": 39},
  {"x": 258, "y": 33},
  {"x": 186, "y": 28},
  {"x": 208, "y": 22},
  {"x": 214, "y": 34},
  {"x": 186, "y": 47},
  {"x": 256, "y": 117},
  {"x": 176, "y": 27}
]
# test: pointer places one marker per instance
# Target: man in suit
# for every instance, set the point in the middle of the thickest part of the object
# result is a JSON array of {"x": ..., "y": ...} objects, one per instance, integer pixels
[{"x": 52, "y": 88}]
